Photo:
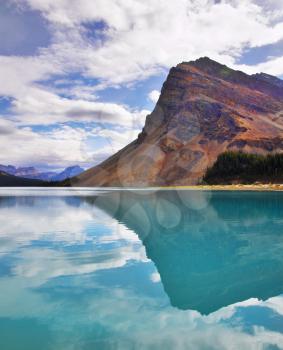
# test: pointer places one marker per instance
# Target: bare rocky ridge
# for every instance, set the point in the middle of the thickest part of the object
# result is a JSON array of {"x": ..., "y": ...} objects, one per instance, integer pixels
[{"x": 204, "y": 109}]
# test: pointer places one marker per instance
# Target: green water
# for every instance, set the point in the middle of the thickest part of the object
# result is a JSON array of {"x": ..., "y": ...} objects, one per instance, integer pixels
[{"x": 83, "y": 270}]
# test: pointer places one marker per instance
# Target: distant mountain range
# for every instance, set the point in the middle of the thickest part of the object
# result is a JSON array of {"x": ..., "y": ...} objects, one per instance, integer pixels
[
  {"x": 35, "y": 174},
  {"x": 205, "y": 108}
]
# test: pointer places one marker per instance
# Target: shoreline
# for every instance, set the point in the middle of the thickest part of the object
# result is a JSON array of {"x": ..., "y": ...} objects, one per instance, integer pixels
[{"x": 236, "y": 187}]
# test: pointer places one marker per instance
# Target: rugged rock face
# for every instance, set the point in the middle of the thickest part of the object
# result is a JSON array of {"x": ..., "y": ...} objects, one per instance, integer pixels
[{"x": 204, "y": 109}]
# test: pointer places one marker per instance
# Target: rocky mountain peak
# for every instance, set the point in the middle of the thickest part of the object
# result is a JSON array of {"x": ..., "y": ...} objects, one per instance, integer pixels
[
  {"x": 204, "y": 109},
  {"x": 269, "y": 79}
]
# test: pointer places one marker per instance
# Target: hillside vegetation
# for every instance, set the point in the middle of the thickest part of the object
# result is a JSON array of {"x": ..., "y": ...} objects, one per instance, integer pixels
[
  {"x": 238, "y": 167},
  {"x": 8, "y": 180}
]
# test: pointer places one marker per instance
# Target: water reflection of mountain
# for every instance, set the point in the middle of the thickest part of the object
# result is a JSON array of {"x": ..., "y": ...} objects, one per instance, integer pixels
[{"x": 210, "y": 249}]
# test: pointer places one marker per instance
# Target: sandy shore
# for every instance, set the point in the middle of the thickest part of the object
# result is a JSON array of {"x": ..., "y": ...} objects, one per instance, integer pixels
[{"x": 238, "y": 187}]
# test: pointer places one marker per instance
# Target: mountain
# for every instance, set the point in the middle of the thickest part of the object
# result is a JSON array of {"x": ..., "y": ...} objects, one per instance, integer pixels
[
  {"x": 27, "y": 172},
  {"x": 30, "y": 172},
  {"x": 68, "y": 173},
  {"x": 46, "y": 176},
  {"x": 7, "y": 180},
  {"x": 205, "y": 109},
  {"x": 33, "y": 173},
  {"x": 9, "y": 169}
]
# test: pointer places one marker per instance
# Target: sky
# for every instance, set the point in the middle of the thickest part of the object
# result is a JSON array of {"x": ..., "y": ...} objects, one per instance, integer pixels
[{"x": 78, "y": 77}]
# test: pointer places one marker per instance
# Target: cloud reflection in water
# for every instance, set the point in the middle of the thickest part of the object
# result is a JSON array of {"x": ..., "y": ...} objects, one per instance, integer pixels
[{"x": 104, "y": 271}]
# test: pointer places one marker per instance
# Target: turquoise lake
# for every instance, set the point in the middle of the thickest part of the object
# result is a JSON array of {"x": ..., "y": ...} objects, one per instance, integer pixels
[{"x": 107, "y": 269}]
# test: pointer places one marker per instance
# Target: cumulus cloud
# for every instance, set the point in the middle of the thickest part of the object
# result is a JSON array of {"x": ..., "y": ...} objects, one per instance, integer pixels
[
  {"x": 38, "y": 106},
  {"x": 154, "y": 95},
  {"x": 273, "y": 66},
  {"x": 143, "y": 37},
  {"x": 116, "y": 138},
  {"x": 61, "y": 146}
]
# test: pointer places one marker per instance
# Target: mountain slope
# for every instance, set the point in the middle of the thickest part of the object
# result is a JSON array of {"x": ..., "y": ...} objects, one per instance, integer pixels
[{"x": 204, "y": 109}]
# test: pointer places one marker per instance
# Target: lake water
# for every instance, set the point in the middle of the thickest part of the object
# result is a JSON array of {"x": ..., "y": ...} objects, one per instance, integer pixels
[{"x": 83, "y": 270}]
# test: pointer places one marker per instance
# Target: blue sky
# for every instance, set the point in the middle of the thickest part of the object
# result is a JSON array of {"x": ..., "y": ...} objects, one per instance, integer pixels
[{"x": 78, "y": 77}]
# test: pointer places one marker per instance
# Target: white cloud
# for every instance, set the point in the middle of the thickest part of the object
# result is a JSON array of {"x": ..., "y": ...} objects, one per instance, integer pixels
[
  {"x": 39, "y": 106},
  {"x": 60, "y": 147},
  {"x": 63, "y": 145},
  {"x": 116, "y": 138},
  {"x": 273, "y": 66},
  {"x": 154, "y": 95},
  {"x": 18, "y": 73},
  {"x": 143, "y": 37}
]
